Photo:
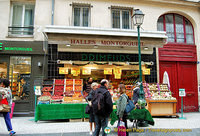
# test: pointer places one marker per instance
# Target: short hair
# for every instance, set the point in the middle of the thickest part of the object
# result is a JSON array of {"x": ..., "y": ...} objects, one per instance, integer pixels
[
  {"x": 104, "y": 81},
  {"x": 94, "y": 84},
  {"x": 122, "y": 88},
  {"x": 6, "y": 82}
]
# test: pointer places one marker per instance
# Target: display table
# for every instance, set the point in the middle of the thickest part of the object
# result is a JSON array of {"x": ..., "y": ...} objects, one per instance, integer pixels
[
  {"x": 162, "y": 107},
  {"x": 139, "y": 114},
  {"x": 60, "y": 111}
]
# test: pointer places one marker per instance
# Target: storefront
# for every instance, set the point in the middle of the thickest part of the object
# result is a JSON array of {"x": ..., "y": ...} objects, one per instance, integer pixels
[{"x": 22, "y": 62}]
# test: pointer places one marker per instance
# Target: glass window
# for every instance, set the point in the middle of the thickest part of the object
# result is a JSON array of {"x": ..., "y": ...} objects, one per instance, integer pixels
[
  {"x": 170, "y": 28},
  {"x": 177, "y": 27},
  {"x": 160, "y": 25},
  {"x": 121, "y": 19},
  {"x": 19, "y": 76},
  {"x": 22, "y": 19},
  {"x": 189, "y": 32},
  {"x": 81, "y": 16},
  {"x": 115, "y": 18},
  {"x": 125, "y": 19}
]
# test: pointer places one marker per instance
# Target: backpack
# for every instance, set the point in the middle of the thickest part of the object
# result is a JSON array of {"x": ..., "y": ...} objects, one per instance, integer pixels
[{"x": 98, "y": 103}]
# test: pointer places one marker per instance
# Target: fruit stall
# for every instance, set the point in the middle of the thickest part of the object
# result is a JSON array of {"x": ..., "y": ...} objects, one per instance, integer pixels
[{"x": 159, "y": 100}]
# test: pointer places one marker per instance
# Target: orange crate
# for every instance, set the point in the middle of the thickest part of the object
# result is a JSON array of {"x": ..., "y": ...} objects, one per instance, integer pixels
[
  {"x": 69, "y": 88},
  {"x": 78, "y": 82},
  {"x": 69, "y": 81}
]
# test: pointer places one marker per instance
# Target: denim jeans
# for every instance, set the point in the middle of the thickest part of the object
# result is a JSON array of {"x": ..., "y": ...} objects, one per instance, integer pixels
[
  {"x": 101, "y": 122},
  {"x": 6, "y": 116}
]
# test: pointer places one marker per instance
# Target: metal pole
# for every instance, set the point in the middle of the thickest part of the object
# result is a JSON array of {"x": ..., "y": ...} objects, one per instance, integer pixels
[{"x": 141, "y": 96}]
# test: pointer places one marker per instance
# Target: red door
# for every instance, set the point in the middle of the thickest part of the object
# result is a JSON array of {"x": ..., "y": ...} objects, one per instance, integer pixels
[
  {"x": 187, "y": 79},
  {"x": 182, "y": 75},
  {"x": 171, "y": 68}
]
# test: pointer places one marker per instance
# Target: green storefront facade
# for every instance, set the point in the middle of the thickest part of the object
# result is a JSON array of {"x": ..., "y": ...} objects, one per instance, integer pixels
[{"x": 23, "y": 62}]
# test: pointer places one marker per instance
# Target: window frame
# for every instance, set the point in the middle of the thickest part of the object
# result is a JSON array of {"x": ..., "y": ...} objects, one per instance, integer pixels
[
  {"x": 81, "y": 15},
  {"x": 121, "y": 19},
  {"x": 23, "y": 17},
  {"x": 174, "y": 25}
]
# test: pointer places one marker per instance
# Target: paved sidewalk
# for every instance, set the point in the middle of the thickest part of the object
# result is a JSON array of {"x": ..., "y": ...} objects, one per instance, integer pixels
[{"x": 26, "y": 125}]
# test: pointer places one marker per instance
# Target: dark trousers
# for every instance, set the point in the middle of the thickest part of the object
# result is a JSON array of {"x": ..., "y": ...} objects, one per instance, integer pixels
[
  {"x": 101, "y": 122},
  {"x": 6, "y": 116},
  {"x": 124, "y": 119}
]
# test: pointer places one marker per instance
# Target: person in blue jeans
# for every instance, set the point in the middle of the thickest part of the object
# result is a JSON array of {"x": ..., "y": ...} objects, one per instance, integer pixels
[
  {"x": 102, "y": 120},
  {"x": 6, "y": 98}
]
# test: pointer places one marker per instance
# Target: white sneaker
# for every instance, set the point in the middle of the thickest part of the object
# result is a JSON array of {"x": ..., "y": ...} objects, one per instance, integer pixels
[{"x": 90, "y": 133}]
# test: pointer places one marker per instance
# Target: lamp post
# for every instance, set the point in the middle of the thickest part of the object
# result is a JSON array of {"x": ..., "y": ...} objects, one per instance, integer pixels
[{"x": 138, "y": 18}]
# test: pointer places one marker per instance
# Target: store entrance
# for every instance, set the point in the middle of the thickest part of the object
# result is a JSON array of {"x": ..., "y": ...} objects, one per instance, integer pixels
[{"x": 19, "y": 76}]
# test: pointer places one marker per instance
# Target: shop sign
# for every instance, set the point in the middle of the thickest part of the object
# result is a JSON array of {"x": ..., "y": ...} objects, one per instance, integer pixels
[
  {"x": 105, "y": 57},
  {"x": 107, "y": 71},
  {"x": 86, "y": 71},
  {"x": 63, "y": 70},
  {"x": 105, "y": 42},
  {"x": 14, "y": 48},
  {"x": 75, "y": 71},
  {"x": 146, "y": 71},
  {"x": 182, "y": 93}
]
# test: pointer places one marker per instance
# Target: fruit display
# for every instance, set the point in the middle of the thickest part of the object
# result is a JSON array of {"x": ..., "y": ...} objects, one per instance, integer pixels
[
  {"x": 59, "y": 82},
  {"x": 44, "y": 98},
  {"x": 77, "y": 88},
  {"x": 69, "y": 88},
  {"x": 157, "y": 92},
  {"x": 78, "y": 82},
  {"x": 69, "y": 81},
  {"x": 47, "y": 89}
]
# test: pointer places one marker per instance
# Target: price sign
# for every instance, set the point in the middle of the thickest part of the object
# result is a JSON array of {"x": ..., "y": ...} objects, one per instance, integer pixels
[
  {"x": 75, "y": 71},
  {"x": 86, "y": 71},
  {"x": 108, "y": 71},
  {"x": 146, "y": 71},
  {"x": 182, "y": 92},
  {"x": 63, "y": 70}
]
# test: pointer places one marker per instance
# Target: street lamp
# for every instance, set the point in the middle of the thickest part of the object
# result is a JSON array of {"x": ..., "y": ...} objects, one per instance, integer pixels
[{"x": 138, "y": 18}]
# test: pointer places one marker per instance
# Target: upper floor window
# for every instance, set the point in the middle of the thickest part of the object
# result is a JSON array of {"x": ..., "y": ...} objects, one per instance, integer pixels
[
  {"x": 81, "y": 15},
  {"x": 22, "y": 19},
  {"x": 121, "y": 18},
  {"x": 178, "y": 28}
]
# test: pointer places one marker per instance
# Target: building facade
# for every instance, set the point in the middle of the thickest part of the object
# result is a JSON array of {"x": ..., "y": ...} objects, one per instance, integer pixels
[{"x": 102, "y": 31}]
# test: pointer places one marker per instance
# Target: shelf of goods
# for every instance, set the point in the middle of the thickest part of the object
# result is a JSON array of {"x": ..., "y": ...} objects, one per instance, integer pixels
[
  {"x": 59, "y": 91},
  {"x": 159, "y": 100}
]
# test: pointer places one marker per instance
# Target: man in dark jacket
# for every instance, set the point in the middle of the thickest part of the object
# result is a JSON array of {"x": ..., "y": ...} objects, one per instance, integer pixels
[{"x": 102, "y": 120}]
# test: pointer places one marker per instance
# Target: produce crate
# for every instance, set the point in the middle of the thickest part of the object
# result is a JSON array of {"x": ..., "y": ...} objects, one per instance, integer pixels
[
  {"x": 78, "y": 81},
  {"x": 69, "y": 88},
  {"x": 59, "y": 81},
  {"x": 58, "y": 93},
  {"x": 60, "y": 88},
  {"x": 47, "y": 89},
  {"x": 69, "y": 81},
  {"x": 78, "y": 88}
]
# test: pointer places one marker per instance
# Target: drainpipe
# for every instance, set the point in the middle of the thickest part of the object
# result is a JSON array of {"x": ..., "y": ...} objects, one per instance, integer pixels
[{"x": 52, "y": 12}]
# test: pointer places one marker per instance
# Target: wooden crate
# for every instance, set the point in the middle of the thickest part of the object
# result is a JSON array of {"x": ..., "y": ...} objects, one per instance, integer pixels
[{"x": 162, "y": 107}]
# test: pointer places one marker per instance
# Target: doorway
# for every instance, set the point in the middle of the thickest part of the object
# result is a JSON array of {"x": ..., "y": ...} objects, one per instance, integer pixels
[{"x": 182, "y": 75}]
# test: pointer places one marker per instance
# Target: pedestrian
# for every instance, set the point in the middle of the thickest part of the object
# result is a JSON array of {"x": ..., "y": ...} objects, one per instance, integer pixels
[
  {"x": 87, "y": 85},
  {"x": 136, "y": 93},
  {"x": 6, "y": 99},
  {"x": 121, "y": 105},
  {"x": 102, "y": 120},
  {"x": 94, "y": 86}
]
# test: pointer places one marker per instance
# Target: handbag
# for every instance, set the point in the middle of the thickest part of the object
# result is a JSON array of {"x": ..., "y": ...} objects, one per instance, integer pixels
[
  {"x": 87, "y": 109},
  {"x": 4, "y": 108},
  {"x": 121, "y": 129},
  {"x": 130, "y": 106}
]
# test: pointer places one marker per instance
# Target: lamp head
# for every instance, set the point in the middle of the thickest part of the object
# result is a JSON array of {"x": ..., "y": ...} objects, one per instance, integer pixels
[{"x": 138, "y": 17}]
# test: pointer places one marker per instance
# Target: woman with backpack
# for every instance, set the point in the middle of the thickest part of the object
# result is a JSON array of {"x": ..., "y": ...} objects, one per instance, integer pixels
[
  {"x": 121, "y": 105},
  {"x": 6, "y": 99}
]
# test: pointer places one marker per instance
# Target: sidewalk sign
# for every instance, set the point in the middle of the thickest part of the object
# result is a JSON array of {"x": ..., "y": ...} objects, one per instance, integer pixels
[{"x": 182, "y": 94}]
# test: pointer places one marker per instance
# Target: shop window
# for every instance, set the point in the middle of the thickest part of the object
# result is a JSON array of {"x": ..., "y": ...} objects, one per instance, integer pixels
[
  {"x": 81, "y": 15},
  {"x": 178, "y": 28},
  {"x": 121, "y": 19},
  {"x": 22, "y": 19},
  {"x": 19, "y": 76},
  {"x": 3, "y": 70}
]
